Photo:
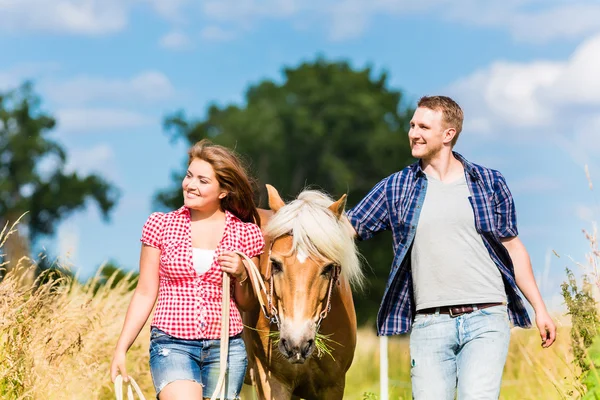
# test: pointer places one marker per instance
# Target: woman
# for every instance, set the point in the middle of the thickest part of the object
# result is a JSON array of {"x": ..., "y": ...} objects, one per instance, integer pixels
[{"x": 184, "y": 253}]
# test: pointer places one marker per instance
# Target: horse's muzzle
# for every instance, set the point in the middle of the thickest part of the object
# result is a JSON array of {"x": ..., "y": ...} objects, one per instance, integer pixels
[{"x": 296, "y": 353}]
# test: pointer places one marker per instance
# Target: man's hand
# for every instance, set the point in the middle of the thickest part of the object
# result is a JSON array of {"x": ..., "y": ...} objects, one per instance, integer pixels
[{"x": 546, "y": 327}]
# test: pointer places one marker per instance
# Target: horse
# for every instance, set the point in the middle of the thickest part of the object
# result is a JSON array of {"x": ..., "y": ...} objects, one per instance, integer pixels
[{"x": 309, "y": 266}]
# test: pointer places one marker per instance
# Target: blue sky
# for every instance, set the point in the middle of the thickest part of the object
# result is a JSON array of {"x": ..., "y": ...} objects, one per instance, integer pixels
[{"x": 525, "y": 72}]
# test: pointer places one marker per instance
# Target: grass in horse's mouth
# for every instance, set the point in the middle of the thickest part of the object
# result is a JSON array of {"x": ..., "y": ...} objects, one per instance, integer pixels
[{"x": 323, "y": 343}]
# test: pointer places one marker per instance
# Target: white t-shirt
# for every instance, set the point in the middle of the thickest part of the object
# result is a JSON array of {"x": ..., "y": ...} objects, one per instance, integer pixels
[
  {"x": 203, "y": 259},
  {"x": 450, "y": 263}
]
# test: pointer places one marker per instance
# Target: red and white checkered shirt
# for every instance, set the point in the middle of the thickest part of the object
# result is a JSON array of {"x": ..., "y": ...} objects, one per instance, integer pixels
[{"x": 189, "y": 304}]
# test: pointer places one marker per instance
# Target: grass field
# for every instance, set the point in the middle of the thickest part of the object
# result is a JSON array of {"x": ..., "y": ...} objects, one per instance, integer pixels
[
  {"x": 530, "y": 373},
  {"x": 58, "y": 342}
]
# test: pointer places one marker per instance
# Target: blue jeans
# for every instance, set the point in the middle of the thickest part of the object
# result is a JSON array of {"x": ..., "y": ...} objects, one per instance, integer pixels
[
  {"x": 174, "y": 359},
  {"x": 468, "y": 352}
]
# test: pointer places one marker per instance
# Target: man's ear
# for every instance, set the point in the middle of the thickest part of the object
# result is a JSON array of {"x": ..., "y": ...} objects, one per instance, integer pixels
[{"x": 449, "y": 135}]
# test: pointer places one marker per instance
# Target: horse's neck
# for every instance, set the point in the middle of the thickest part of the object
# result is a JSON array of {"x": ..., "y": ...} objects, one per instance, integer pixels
[{"x": 265, "y": 216}]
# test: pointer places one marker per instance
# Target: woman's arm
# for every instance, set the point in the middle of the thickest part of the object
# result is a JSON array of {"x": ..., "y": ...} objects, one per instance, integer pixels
[
  {"x": 243, "y": 293},
  {"x": 526, "y": 283},
  {"x": 139, "y": 308}
]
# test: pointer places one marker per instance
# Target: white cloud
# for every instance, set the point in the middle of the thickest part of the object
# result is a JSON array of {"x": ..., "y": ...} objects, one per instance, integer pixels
[
  {"x": 91, "y": 103},
  {"x": 14, "y": 76},
  {"x": 551, "y": 101},
  {"x": 579, "y": 80},
  {"x": 90, "y": 17},
  {"x": 572, "y": 21},
  {"x": 348, "y": 20},
  {"x": 80, "y": 120},
  {"x": 526, "y": 20},
  {"x": 175, "y": 40},
  {"x": 508, "y": 92},
  {"x": 215, "y": 33},
  {"x": 91, "y": 160},
  {"x": 148, "y": 86},
  {"x": 97, "y": 159},
  {"x": 248, "y": 11},
  {"x": 170, "y": 9}
]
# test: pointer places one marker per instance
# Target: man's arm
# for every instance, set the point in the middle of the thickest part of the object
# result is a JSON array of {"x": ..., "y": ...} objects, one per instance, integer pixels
[
  {"x": 527, "y": 285},
  {"x": 370, "y": 215}
]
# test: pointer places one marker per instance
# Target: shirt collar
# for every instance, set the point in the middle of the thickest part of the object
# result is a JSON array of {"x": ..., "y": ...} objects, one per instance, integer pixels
[
  {"x": 183, "y": 210},
  {"x": 468, "y": 166},
  {"x": 229, "y": 217}
]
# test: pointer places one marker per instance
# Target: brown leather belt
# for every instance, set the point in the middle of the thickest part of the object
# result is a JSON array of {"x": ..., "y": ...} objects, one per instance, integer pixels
[{"x": 455, "y": 311}]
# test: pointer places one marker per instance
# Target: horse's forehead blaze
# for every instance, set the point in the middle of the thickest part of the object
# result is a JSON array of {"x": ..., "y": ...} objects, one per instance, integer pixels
[
  {"x": 298, "y": 262},
  {"x": 301, "y": 256}
]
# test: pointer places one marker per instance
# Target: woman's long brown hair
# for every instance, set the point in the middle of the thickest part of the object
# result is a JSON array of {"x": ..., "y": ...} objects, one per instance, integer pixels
[{"x": 232, "y": 177}]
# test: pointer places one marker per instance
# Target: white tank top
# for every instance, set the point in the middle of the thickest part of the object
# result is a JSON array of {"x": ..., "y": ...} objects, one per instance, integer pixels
[{"x": 203, "y": 259}]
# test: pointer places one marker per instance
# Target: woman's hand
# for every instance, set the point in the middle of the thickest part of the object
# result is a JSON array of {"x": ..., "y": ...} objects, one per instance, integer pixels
[
  {"x": 232, "y": 263},
  {"x": 117, "y": 366}
]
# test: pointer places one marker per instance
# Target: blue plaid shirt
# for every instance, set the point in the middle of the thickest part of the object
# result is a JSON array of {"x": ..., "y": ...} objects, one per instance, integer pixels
[{"x": 395, "y": 203}]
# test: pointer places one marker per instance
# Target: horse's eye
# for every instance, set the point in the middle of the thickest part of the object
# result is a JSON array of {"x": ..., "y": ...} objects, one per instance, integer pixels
[
  {"x": 276, "y": 266},
  {"x": 327, "y": 270}
]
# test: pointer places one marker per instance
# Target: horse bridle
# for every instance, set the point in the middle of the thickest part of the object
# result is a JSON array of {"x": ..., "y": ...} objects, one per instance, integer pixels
[{"x": 273, "y": 315}]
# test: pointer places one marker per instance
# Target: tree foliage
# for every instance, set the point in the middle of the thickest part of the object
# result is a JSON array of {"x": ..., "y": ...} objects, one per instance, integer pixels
[
  {"x": 325, "y": 125},
  {"x": 112, "y": 273},
  {"x": 33, "y": 178}
]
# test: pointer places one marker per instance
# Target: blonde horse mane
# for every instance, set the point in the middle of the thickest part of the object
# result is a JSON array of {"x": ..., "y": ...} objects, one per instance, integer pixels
[{"x": 318, "y": 233}]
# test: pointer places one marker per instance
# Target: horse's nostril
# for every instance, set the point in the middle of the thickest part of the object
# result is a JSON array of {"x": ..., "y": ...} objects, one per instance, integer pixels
[
  {"x": 284, "y": 343},
  {"x": 308, "y": 346}
]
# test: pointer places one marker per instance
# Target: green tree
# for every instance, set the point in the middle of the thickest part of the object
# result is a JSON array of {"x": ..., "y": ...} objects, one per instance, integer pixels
[
  {"x": 111, "y": 270},
  {"x": 47, "y": 194},
  {"x": 326, "y": 125}
]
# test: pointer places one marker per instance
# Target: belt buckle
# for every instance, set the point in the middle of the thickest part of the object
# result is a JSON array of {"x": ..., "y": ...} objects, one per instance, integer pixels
[{"x": 456, "y": 311}]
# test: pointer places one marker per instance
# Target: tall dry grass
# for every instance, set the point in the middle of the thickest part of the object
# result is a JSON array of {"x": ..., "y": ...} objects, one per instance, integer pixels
[
  {"x": 57, "y": 338},
  {"x": 531, "y": 372},
  {"x": 56, "y": 342}
]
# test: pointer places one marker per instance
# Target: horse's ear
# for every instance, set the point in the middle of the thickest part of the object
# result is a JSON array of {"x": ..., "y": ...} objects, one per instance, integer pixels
[
  {"x": 338, "y": 207},
  {"x": 275, "y": 202}
]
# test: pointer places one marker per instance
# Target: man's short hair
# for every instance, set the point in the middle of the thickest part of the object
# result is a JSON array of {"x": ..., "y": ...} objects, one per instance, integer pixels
[{"x": 452, "y": 114}]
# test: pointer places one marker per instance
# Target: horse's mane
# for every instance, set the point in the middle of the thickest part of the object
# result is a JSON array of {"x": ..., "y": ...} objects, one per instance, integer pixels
[{"x": 318, "y": 232}]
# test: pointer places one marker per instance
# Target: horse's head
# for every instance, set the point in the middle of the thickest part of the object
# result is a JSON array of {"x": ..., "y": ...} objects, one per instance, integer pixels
[{"x": 311, "y": 248}]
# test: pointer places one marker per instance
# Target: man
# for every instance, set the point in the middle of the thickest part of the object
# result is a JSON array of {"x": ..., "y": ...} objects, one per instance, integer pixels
[{"x": 458, "y": 262}]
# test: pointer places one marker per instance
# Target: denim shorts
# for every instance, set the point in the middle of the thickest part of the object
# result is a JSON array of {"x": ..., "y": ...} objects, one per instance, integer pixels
[{"x": 174, "y": 359}]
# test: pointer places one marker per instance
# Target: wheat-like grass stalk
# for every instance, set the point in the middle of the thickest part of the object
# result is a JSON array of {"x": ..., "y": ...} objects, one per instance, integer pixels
[{"x": 323, "y": 343}]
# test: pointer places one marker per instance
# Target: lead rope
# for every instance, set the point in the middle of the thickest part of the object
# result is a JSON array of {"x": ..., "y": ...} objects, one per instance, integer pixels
[
  {"x": 119, "y": 389},
  {"x": 220, "y": 387},
  {"x": 257, "y": 284}
]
